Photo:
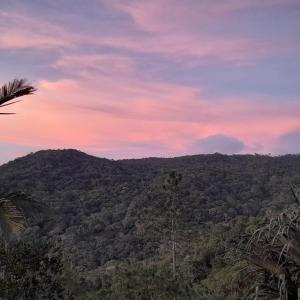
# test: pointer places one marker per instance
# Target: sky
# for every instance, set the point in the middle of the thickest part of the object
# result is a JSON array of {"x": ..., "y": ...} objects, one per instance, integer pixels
[{"x": 140, "y": 78}]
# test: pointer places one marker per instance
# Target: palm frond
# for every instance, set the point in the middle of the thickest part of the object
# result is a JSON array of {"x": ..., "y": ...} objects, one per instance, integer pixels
[
  {"x": 296, "y": 193},
  {"x": 27, "y": 205},
  {"x": 14, "y": 89},
  {"x": 274, "y": 251},
  {"x": 11, "y": 220},
  {"x": 16, "y": 209}
]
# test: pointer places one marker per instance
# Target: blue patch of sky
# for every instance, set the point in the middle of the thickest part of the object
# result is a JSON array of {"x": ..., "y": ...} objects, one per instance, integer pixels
[
  {"x": 9, "y": 151},
  {"x": 30, "y": 63},
  {"x": 276, "y": 77},
  {"x": 91, "y": 17},
  {"x": 258, "y": 22}
]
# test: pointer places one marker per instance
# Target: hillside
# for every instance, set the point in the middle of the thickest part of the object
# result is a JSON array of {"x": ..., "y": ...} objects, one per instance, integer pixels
[{"x": 109, "y": 211}]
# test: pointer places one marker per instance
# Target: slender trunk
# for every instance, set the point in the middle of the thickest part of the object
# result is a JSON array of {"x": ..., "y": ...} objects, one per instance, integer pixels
[
  {"x": 171, "y": 187},
  {"x": 174, "y": 257},
  {"x": 256, "y": 293},
  {"x": 173, "y": 237},
  {"x": 173, "y": 249}
]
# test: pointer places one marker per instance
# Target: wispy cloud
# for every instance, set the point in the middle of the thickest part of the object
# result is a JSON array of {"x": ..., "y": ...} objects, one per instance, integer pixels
[
  {"x": 21, "y": 31},
  {"x": 142, "y": 78},
  {"x": 146, "y": 114},
  {"x": 103, "y": 64}
]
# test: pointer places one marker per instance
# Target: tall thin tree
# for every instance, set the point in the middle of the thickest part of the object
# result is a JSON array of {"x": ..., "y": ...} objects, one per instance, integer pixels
[{"x": 171, "y": 187}]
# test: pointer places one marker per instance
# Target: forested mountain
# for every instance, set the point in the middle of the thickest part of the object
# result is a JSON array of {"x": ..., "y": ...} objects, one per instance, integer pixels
[{"x": 107, "y": 215}]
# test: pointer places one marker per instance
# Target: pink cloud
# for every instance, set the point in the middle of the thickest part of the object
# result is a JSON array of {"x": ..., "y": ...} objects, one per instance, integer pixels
[
  {"x": 115, "y": 114},
  {"x": 20, "y": 31},
  {"x": 179, "y": 28},
  {"x": 175, "y": 31},
  {"x": 186, "y": 46},
  {"x": 165, "y": 16},
  {"x": 107, "y": 107},
  {"x": 101, "y": 63}
]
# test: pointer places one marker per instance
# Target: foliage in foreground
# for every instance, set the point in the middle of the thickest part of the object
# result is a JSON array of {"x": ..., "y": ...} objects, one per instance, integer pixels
[
  {"x": 31, "y": 271},
  {"x": 274, "y": 258}
]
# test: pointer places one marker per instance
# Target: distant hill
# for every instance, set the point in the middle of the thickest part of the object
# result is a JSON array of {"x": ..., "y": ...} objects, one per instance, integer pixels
[{"x": 105, "y": 208}]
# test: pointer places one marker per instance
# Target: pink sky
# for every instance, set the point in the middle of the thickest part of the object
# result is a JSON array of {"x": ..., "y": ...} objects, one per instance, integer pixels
[{"x": 125, "y": 79}]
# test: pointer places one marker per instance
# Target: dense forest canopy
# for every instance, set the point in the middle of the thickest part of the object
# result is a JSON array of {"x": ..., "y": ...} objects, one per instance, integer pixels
[{"x": 108, "y": 215}]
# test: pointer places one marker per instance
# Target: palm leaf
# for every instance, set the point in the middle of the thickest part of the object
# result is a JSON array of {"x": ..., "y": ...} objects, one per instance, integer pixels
[
  {"x": 14, "y": 89},
  {"x": 11, "y": 219},
  {"x": 274, "y": 249},
  {"x": 296, "y": 193},
  {"x": 15, "y": 210},
  {"x": 27, "y": 205}
]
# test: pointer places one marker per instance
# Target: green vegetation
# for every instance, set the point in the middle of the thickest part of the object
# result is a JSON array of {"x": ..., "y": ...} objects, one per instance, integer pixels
[
  {"x": 31, "y": 271},
  {"x": 111, "y": 220},
  {"x": 273, "y": 256}
]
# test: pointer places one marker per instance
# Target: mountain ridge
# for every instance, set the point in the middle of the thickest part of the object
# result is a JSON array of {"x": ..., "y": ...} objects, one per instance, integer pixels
[
  {"x": 102, "y": 205},
  {"x": 41, "y": 153}
]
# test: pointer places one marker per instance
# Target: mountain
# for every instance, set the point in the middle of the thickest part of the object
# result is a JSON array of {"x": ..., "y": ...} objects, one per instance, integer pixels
[{"x": 109, "y": 211}]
